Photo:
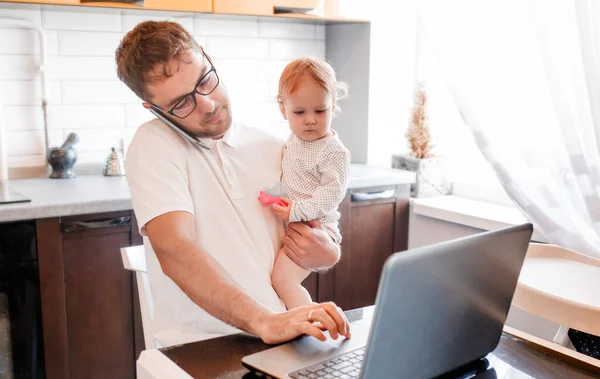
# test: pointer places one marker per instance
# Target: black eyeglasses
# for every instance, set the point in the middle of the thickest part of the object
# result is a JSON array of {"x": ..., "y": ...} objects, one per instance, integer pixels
[{"x": 205, "y": 86}]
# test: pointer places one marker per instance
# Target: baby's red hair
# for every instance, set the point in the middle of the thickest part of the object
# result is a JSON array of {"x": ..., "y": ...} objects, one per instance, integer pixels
[{"x": 317, "y": 69}]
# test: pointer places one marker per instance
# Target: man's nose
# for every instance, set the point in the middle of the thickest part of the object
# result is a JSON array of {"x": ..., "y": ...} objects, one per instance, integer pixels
[{"x": 205, "y": 104}]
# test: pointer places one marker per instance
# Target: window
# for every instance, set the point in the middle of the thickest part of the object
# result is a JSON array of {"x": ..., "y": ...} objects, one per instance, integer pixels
[{"x": 467, "y": 168}]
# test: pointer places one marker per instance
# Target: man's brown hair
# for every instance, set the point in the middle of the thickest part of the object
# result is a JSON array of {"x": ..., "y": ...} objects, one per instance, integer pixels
[{"x": 149, "y": 44}]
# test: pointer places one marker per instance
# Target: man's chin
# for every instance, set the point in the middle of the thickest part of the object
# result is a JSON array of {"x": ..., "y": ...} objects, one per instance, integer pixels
[{"x": 218, "y": 130}]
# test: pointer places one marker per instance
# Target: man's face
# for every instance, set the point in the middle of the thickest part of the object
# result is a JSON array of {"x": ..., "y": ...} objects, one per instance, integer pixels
[{"x": 212, "y": 116}]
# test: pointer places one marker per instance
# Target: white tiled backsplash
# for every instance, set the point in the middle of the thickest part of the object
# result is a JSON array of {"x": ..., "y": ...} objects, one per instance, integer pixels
[{"x": 86, "y": 96}]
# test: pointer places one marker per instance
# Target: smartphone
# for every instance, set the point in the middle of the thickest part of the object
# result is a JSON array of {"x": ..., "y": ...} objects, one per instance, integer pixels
[{"x": 178, "y": 129}]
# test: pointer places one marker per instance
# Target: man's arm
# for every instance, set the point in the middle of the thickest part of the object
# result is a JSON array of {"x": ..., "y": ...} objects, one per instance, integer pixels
[{"x": 207, "y": 284}]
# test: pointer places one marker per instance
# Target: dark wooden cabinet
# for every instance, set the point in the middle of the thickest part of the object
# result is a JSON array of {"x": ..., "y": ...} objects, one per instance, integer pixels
[
  {"x": 311, "y": 285},
  {"x": 374, "y": 225},
  {"x": 88, "y": 300}
]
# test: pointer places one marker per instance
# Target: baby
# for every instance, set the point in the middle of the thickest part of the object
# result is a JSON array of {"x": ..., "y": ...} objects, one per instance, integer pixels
[{"x": 315, "y": 163}]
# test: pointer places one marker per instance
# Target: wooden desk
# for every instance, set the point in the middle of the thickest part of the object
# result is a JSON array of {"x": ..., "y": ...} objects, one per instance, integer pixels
[{"x": 221, "y": 358}]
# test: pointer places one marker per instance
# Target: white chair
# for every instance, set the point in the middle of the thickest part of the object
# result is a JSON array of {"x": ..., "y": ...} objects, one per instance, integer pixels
[
  {"x": 560, "y": 285},
  {"x": 134, "y": 259}
]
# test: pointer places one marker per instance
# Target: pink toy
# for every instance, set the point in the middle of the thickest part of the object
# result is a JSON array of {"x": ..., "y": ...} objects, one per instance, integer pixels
[{"x": 266, "y": 199}]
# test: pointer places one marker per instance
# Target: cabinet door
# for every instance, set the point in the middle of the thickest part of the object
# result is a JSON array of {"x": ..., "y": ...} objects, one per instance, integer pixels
[
  {"x": 174, "y": 5},
  {"x": 98, "y": 296},
  {"x": 168, "y": 5},
  {"x": 180, "y": 5},
  {"x": 53, "y": 2},
  {"x": 374, "y": 225},
  {"x": 324, "y": 8},
  {"x": 310, "y": 283}
]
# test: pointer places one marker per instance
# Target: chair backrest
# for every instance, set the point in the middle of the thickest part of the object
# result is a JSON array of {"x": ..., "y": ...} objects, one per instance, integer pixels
[
  {"x": 541, "y": 250},
  {"x": 560, "y": 285},
  {"x": 134, "y": 259}
]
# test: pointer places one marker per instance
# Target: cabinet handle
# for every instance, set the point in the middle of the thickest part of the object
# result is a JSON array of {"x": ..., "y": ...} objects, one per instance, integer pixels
[
  {"x": 292, "y": 10},
  {"x": 363, "y": 196},
  {"x": 136, "y": 2},
  {"x": 109, "y": 223}
]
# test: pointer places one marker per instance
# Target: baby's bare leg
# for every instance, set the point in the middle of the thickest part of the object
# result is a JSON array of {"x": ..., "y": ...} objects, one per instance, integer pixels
[{"x": 286, "y": 278}]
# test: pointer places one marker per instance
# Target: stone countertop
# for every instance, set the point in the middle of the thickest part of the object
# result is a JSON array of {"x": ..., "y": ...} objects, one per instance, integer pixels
[{"x": 97, "y": 194}]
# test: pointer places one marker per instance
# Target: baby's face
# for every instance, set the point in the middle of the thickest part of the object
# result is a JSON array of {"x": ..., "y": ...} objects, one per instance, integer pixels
[{"x": 308, "y": 110}]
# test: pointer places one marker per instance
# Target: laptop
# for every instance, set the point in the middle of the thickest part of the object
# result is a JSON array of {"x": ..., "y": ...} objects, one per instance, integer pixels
[{"x": 438, "y": 308}]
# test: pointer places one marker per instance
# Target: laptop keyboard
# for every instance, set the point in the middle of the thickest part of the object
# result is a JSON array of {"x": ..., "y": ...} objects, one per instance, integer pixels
[{"x": 343, "y": 366}]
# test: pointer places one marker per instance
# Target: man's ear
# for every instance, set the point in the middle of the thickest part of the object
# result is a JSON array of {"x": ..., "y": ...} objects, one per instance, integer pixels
[
  {"x": 146, "y": 105},
  {"x": 282, "y": 110}
]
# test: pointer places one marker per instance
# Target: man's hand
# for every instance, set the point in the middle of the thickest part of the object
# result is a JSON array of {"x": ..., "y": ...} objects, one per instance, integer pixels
[
  {"x": 310, "y": 246},
  {"x": 306, "y": 320},
  {"x": 283, "y": 212}
]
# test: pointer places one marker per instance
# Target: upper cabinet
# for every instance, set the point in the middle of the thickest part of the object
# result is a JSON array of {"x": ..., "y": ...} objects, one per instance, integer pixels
[
  {"x": 327, "y": 9},
  {"x": 304, "y": 9},
  {"x": 170, "y": 5}
]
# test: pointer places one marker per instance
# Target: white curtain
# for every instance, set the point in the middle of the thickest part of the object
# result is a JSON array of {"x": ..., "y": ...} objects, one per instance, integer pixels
[{"x": 525, "y": 77}]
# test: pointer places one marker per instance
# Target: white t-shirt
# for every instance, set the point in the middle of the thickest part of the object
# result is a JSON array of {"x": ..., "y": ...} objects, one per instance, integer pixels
[
  {"x": 220, "y": 188},
  {"x": 315, "y": 177}
]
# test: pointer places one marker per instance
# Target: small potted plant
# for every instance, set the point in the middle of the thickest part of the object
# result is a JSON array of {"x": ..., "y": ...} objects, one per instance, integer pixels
[{"x": 431, "y": 178}]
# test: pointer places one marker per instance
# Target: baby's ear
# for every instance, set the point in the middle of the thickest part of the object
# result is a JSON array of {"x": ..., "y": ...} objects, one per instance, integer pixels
[{"x": 282, "y": 110}]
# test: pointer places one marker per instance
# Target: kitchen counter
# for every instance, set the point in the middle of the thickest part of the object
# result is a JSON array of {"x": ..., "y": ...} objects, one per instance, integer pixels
[{"x": 97, "y": 194}]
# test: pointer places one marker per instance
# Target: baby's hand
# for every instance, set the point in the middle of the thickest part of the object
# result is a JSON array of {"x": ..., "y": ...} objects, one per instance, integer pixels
[{"x": 283, "y": 212}]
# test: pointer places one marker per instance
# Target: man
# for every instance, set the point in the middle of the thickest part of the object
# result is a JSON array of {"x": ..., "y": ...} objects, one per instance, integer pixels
[{"x": 210, "y": 244}]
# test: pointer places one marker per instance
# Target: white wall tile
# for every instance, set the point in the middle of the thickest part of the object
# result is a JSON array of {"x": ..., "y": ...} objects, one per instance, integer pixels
[
  {"x": 275, "y": 29},
  {"x": 236, "y": 69},
  {"x": 273, "y": 89},
  {"x": 90, "y": 157},
  {"x": 26, "y": 41},
  {"x": 200, "y": 40},
  {"x": 257, "y": 113},
  {"x": 31, "y": 142},
  {"x": 86, "y": 116},
  {"x": 20, "y": 67},
  {"x": 321, "y": 32},
  {"x": 90, "y": 93},
  {"x": 14, "y": 92},
  {"x": 209, "y": 26},
  {"x": 249, "y": 91},
  {"x": 72, "y": 18},
  {"x": 286, "y": 49},
  {"x": 85, "y": 68},
  {"x": 136, "y": 115},
  {"x": 29, "y": 12},
  {"x": 51, "y": 42},
  {"x": 18, "y": 41},
  {"x": 127, "y": 137},
  {"x": 97, "y": 140},
  {"x": 22, "y": 117},
  {"x": 26, "y": 160},
  {"x": 131, "y": 20},
  {"x": 88, "y": 43},
  {"x": 271, "y": 70},
  {"x": 28, "y": 142},
  {"x": 56, "y": 137},
  {"x": 238, "y": 48}
]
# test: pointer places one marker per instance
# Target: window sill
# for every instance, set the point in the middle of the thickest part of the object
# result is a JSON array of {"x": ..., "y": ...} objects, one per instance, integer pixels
[{"x": 473, "y": 213}]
